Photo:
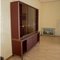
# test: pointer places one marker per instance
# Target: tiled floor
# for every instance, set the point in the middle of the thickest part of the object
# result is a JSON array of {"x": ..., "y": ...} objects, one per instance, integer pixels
[{"x": 47, "y": 49}]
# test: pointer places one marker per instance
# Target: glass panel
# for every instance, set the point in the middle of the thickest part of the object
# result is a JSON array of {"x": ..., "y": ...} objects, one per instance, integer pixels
[
  {"x": 27, "y": 19},
  {"x": 31, "y": 20}
]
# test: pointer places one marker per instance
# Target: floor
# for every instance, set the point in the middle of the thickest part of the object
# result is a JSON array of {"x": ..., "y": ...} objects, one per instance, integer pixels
[{"x": 47, "y": 49}]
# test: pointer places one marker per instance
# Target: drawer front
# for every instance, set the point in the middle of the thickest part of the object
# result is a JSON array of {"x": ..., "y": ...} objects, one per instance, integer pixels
[{"x": 31, "y": 41}]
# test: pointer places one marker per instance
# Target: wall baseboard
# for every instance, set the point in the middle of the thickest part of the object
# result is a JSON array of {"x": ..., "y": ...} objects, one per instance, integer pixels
[
  {"x": 51, "y": 35},
  {"x": 9, "y": 57}
]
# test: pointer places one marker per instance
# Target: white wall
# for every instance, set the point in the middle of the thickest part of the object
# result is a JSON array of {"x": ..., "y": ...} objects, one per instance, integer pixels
[
  {"x": 0, "y": 28},
  {"x": 6, "y": 50},
  {"x": 50, "y": 15},
  {"x": 6, "y": 25}
]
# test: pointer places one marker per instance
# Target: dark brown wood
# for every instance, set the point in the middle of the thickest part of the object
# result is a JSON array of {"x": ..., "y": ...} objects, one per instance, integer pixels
[
  {"x": 16, "y": 46},
  {"x": 22, "y": 44},
  {"x": 36, "y": 20},
  {"x": 38, "y": 36},
  {"x": 31, "y": 41},
  {"x": 14, "y": 20},
  {"x": 15, "y": 28}
]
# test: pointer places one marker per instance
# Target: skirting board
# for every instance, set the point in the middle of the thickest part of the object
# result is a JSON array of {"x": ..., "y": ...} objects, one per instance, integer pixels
[
  {"x": 51, "y": 35},
  {"x": 9, "y": 57}
]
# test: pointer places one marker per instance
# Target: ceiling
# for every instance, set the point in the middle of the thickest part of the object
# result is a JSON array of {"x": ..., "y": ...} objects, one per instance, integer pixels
[{"x": 48, "y": 0}]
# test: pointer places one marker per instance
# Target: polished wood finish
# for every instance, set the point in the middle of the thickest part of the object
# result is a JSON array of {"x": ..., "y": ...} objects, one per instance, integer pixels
[
  {"x": 22, "y": 44},
  {"x": 16, "y": 46},
  {"x": 15, "y": 31},
  {"x": 14, "y": 20},
  {"x": 36, "y": 20},
  {"x": 31, "y": 41}
]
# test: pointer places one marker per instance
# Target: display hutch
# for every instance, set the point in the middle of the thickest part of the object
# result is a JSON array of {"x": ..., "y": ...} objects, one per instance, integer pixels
[{"x": 24, "y": 27}]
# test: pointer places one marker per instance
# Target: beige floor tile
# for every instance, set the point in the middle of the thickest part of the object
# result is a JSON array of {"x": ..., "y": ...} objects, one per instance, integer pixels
[{"x": 47, "y": 49}]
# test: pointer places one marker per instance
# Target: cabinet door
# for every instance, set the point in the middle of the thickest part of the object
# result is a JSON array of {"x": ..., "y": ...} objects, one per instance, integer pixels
[
  {"x": 23, "y": 19},
  {"x": 31, "y": 41}
]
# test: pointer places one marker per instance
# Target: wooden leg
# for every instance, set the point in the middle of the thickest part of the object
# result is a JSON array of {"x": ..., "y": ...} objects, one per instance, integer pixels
[{"x": 21, "y": 51}]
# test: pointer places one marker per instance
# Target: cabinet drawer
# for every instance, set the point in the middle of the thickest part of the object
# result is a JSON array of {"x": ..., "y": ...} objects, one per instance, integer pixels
[{"x": 31, "y": 41}]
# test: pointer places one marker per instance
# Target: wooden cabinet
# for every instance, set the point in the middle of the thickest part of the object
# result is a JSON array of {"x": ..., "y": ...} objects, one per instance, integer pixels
[
  {"x": 16, "y": 47},
  {"x": 31, "y": 41},
  {"x": 24, "y": 27},
  {"x": 15, "y": 28}
]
